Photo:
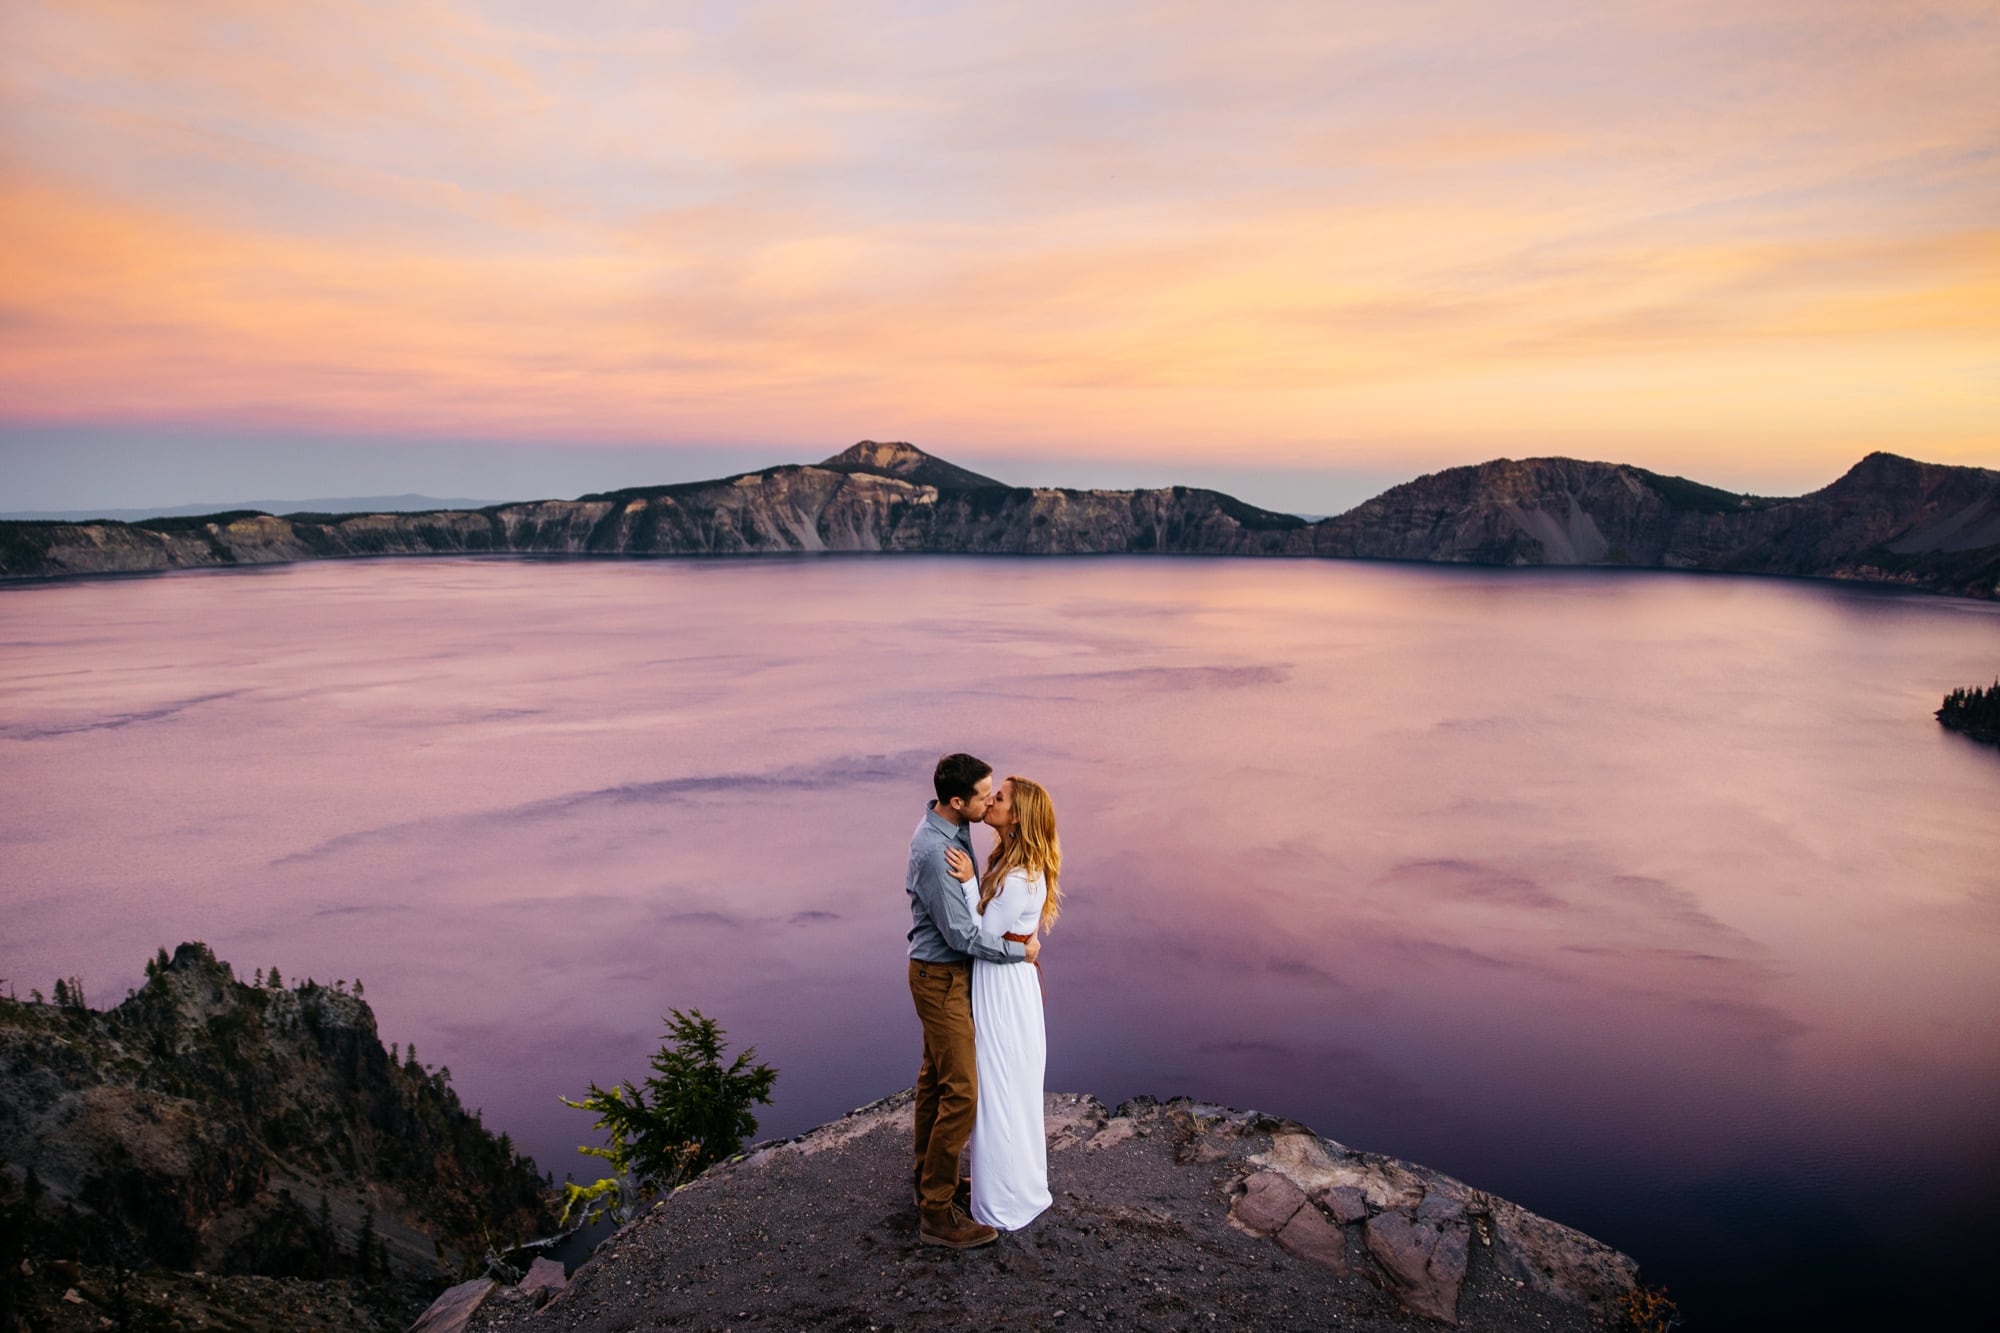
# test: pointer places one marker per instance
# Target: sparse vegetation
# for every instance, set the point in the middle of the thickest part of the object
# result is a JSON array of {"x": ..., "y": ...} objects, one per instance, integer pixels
[
  {"x": 1646, "y": 1309},
  {"x": 273, "y": 1075},
  {"x": 699, "y": 1114}
]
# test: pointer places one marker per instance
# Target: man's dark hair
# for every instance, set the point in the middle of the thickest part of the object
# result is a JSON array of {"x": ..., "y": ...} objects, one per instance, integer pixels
[{"x": 957, "y": 775}]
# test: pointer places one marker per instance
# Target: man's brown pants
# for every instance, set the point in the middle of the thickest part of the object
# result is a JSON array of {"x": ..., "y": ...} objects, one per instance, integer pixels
[{"x": 948, "y": 1082}]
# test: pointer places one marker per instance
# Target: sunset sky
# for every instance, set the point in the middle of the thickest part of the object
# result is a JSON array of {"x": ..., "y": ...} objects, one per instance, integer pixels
[{"x": 1298, "y": 250}]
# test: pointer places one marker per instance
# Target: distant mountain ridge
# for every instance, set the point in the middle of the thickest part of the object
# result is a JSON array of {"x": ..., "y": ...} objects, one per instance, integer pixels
[
  {"x": 1889, "y": 519},
  {"x": 343, "y": 504}
]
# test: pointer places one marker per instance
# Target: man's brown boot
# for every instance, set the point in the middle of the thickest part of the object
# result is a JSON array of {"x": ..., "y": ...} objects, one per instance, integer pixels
[{"x": 955, "y": 1229}]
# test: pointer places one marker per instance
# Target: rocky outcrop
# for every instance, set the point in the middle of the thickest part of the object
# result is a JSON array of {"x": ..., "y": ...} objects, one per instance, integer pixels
[
  {"x": 1165, "y": 1215},
  {"x": 1890, "y": 519},
  {"x": 205, "y": 1124}
]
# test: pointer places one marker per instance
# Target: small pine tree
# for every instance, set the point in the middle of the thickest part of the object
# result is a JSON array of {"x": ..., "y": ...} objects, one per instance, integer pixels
[
  {"x": 327, "y": 1243},
  {"x": 364, "y": 1244},
  {"x": 699, "y": 1114},
  {"x": 274, "y": 981},
  {"x": 62, "y": 993},
  {"x": 258, "y": 981},
  {"x": 357, "y": 985}
]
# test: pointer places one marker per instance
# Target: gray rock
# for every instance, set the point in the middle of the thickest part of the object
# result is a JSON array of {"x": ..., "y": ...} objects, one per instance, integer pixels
[
  {"x": 1267, "y": 1203},
  {"x": 452, "y": 1311},
  {"x": 1346, "y": 1202},
  {"x": 1426, "y": 1262},
  {"x": 545, "y": 1278},
  {"x": 1440, "y": 1206},
  {"x": 1554, "y": 1259},
  {"x": 1310, "y": 1236}
]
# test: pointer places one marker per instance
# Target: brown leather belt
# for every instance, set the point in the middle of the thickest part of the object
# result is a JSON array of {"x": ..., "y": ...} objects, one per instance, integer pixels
[{"x": 1023, "y": 939}]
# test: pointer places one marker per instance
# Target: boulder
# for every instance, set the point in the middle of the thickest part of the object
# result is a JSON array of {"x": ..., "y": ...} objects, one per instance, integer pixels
[
  {"x": 452, "y": 1311},
  {"x": 1266, "y": 1204},
  {"x": 545, "y": 1278},
  {"x": 1424, "y": 1260}
]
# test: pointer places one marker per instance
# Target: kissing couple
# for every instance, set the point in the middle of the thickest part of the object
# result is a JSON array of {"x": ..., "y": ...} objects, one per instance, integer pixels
[{"x": 984, "y": 1047}]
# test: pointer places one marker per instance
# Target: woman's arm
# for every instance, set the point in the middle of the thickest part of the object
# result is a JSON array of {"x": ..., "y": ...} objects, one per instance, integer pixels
[{"x": 1007, "y": 907}]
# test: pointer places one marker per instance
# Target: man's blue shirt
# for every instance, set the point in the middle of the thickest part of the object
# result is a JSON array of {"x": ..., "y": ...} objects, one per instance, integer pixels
[{"x": 945, "y": 929}]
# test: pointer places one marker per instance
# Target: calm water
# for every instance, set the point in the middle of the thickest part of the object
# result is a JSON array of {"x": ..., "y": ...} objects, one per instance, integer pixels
[{"x": 1657, "y": 903}]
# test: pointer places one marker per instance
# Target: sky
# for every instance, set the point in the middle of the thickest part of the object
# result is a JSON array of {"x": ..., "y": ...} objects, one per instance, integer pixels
[{"x": 1297, "y": 250}]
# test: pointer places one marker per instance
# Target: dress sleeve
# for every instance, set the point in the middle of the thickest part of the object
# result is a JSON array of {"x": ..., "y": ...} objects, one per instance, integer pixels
[{"x": 1004, "y": 913}]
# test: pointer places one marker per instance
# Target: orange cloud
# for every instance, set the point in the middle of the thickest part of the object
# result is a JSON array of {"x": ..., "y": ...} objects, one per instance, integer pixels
[{"x": 1331, "y": 234}]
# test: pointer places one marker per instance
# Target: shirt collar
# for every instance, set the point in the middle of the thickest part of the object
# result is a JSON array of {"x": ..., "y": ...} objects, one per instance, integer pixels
[{"x": 941, "y": 824}]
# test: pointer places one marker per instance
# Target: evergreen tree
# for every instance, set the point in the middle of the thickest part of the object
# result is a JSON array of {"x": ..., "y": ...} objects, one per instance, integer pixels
[
  {"x": 699, "y": 1115},
  {"x": 62, "y": 993},
  {"x": 273, "y": 980},
  {"x": 327, "y": 1247},
  {"x": 1976, "y": 712},
  {"x": 364, "y": 1244}
]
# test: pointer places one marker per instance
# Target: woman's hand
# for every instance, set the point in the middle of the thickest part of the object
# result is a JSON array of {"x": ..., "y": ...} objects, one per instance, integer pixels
[{"x": 959, "y": 864}]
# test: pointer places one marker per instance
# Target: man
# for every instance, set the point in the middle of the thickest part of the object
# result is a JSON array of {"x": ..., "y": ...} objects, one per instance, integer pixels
[{"x": 943, "y": 940}]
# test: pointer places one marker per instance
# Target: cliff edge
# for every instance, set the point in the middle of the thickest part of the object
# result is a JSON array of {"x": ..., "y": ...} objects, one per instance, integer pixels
[{"x": 1176, "y": 1215}]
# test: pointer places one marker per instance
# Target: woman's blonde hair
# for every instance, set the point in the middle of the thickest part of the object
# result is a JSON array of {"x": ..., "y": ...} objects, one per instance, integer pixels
[{"x": 1032, "y": 846}]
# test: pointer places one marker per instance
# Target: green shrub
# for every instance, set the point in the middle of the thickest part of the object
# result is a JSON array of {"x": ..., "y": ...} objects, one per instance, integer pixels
[{"x": 698, "y": 1114}]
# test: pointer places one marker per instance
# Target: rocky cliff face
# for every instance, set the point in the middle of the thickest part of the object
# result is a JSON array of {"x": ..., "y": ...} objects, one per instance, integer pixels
[
  {"x": 209, "y": 1125},
  {"x": 1888, "y": 520},
  {"x": 1165, "y": 1215}
]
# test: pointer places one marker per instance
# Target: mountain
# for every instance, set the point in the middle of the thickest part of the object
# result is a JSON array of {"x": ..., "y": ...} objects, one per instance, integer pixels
[
  {"x": 347, "y": 504},
  {"x": 1889, "y": 520},
  {"x": 212, "y": 1128},
  {"x": 908, "y": 462}
]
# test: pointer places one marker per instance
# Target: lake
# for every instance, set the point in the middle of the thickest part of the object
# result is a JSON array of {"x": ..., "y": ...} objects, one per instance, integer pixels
[{"x": 1657, "y": 903}]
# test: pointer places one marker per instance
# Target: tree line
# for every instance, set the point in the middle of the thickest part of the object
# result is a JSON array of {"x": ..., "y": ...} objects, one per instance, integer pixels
[{"x": 1976, "y": 711}]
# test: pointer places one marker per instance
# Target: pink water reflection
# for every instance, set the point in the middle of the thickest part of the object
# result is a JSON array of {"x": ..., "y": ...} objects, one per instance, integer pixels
[{"x": 1627, "y": 897}]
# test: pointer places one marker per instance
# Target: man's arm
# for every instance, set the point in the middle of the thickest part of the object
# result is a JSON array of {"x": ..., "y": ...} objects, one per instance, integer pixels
[{"x": 944, "y": 899}]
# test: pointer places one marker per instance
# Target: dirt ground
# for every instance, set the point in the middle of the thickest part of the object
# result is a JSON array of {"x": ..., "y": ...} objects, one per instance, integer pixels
[{"x": 1138, "y": 1236}]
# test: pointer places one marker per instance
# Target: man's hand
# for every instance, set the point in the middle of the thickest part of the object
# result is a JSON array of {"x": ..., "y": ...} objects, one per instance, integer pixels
[
  {"x": 1033, "y": 947},
  {"x": 959, "y": 864}
]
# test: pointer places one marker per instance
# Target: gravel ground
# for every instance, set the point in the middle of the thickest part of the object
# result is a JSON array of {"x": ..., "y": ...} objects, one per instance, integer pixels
[
  {"x": 822, "y": 1234},
  {"x": 68, "y": 1297}
]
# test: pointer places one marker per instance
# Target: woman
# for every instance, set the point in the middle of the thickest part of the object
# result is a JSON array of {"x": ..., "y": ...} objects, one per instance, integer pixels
[{"x": 1017, "y": 896}]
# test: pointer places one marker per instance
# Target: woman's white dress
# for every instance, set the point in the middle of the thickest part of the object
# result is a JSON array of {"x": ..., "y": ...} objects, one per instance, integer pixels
[{"x": 1010, "y": 1156}]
